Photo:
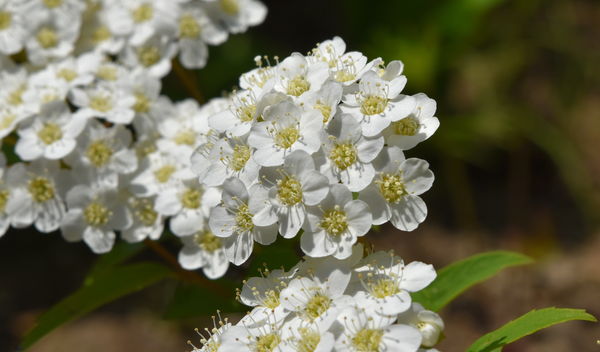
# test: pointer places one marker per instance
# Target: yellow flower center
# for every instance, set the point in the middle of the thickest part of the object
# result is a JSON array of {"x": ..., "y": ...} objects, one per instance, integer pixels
[
  {"x": 148, "y": 56},
  {"x": 289, "y": 191},
  {"x": 368, "y": 340},
  {"x": 146, "y": 214},
  {"x": 335, "y": 221},
  {"x": 373, "y": 105},
  {"x": 191, "y": 198},
  {"x": 164, "y": 173},
  {"x": 52, "y": 3},
  {"x": 343, "y": 155},
  {"x": 309, "y": 339},
  {"x": 47, "y": 38},
  {"x": 243, "y": 220},
  {"x": 406, "y": 127},
  {"x": 101, "y": 34},
  {"x": 101, "y": 102},
  {"x": 7, "y": 121},
  {"x": 383, "y": 288},
  {"x": 4, "y": 194},
  {"x": 392, "y": 188},
  {"x": 326, "y": 110},
  {"x": 297, "y": 86},
  {"x": 208, "y": 241},
  {"x": 5, "y": 19},
  {"x": 246, "y": 112},
  {"x": 189, "y": 27},
  {"x": 14, "y": 98},
  {"x": 50, "y": 133},
  {"x": 230, "y": 7},
  {"x": 185, "y": 137},
  {"x": 107, "y": 73},
  {"x": 266, "y": 343},
  {"x": 239, "y": 157},
  {"x": 344, "y": 76},
  {"x": 142, "y": 103},
  {"x": 66, "y": 74},
  {"x": 99, "y": 153},
  {"x": 41, "y": 189},
  {"x": 286, "y": 137},
  {"x": 143, "y": 13},
  {"x": 96, "y": 214},
  {"x": 317, "y": 305}
]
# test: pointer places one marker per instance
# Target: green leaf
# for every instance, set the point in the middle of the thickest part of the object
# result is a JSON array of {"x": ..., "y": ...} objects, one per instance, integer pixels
[
  {"x": 105, "y": 288},
  {"x": 527, "y": 325},
  {"x": 193, "y": 300},
  {"x": 120, "y": 252},
  {"x": 459, "y": 276}
]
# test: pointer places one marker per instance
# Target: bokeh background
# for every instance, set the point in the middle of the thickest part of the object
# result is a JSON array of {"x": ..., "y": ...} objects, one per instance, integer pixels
[{"x": 516, "y": 159}]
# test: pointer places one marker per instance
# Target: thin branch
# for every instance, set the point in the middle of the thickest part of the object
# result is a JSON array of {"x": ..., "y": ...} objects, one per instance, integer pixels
[
  {"x": 185, "y": 275},
  {"x": 188, "y": 78}
]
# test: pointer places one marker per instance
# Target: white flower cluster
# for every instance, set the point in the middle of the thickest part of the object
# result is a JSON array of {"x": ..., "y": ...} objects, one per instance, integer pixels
[
  {"x": 314, "y": 145},
  {"x": 142, "y": 33},
  {"x": 103, "y": 151},
  {"x": 352, "y": 305}
]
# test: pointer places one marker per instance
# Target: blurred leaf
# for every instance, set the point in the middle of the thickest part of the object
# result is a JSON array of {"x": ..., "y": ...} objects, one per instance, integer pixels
[
  {"x": 527, "y": 325},
  {"x": 121, "y": 252},
  {"x": 193, "y": 300},
  {"x": 459, "y": 276},
  {"x": 8, "y": 148},
  {"x": 105, "y": 288}
]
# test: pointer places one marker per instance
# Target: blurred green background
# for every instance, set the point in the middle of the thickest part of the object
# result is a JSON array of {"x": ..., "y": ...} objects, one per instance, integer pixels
[{"x": 516, "y": 159}]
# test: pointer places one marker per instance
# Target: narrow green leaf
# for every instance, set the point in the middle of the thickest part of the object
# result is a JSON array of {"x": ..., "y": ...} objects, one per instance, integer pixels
[
  {"x": 459, "y": 276},
  {"x": 193, "y": 300},
  {"x": 527, "y": 325},
  {"x": 105, "y": 288},
  {"x": 121, "y": 252}
]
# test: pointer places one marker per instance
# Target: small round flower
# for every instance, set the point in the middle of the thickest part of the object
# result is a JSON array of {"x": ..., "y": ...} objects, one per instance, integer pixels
[
  {"x": 153, "y": 55},
  {"x": 12, "y": 28},
  {"x": 231, "y": 157},
  {"x": 429, "y": 324},
  {"x": 333, "y": 226},
  {"x": 325, "y": 99},
  {"x": 109, "y": 101},
  {"x": 94, "y": 214},
  {"x": 264, "y": 293},
  {"x": 285, "y": 129},
  {"x": 147, "y": 223},
  {"x": 394, "y": 193},
  {"x": 37, "y": 193},
  {"x": 233, "y": 220},
  {"x": 416, "y": 127},
  {"x": 50, "y": 39},
  {"x": 297, "y": 76},
  {"x": 51, "y": 135},
  {"x": 238, "y": 15},
  {"x": 204, "y": 250}
]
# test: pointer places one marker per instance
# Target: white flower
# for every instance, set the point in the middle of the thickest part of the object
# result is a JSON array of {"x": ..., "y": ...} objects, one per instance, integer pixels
[
  {"x": 231, "y": 157},
  {"x": 333, "y": 226},
  {"x": 12, "y": 28},
  {"x": 346, "y": 154},
  {"x": 94, "y": 214},
  {"x": 309, "y": 263},
  {"x": 153, "y": 55},
  {"x": 144, "y": 18},
  {"x": 416, "y": 127},
  {"x": 310, "y": 336},
  {"x": 258, "y": 77},
  {"x": 394, "y": 193},
  {"x": 45, "y": 92},
  {"x": 51, "y": 135},
  {"x": 196, "y": 29},
  {"x": 202, "y": 157},
  {"x": 291, "y": 187},
  {"x": 376, "y": 103},
  {"x": 328, "y": 51},
  {"x": 285, "y": 129},
  {"x": 366, "y": 331},
  {"x": 64, "y": 11},
  {"x": 213, "y": 342},
  {"x": 102, "y": 154},
  {"x": 204, "y": 250},
  {"x": 386, "y": 282},
  {"x": 50, "y": 39},
  {"x": 184, "y": 131},
  {"x": 189, "y": 205},
  {"x": 150, "y": 108},
  {"x": 266, "y": 337},
  {"x": 9, "y": 118},
  {"x": 37, "y": 193},
  {"x": 297, "y": 76},
  {"x": 429, "y": 323},
  {"x": 98, "y": 36},
  {"x": 5, "y": 193},
  {"x": 160, "y": 171},
  {"x": 233, "y": 220},
  {"x": 325, "y": 99},
  {"x": 74, "y": 71},
  {"x": 390, "y": 72},
  {"x": 238, "y": 15},
  {"x": 321, "y": 297},
  {"x": 104, "y": 100},
  {"x": 147, "y": 223}
]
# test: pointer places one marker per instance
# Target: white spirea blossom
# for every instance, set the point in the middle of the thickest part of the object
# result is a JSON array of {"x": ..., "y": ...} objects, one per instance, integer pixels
[
  {"x": 429, "y": 323},
  {"x": 204, "y": 250}
]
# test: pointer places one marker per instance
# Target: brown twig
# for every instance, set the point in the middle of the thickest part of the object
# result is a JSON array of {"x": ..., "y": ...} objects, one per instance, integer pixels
[
  {"x": 185, "y": 275},
  {"x": 188, "y": 79}
]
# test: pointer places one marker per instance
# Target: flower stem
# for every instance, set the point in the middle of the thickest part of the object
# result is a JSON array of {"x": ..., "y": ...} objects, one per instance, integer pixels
[
  {"x": 188, "y": 79},
  {"x": 185, "y": 275}
]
